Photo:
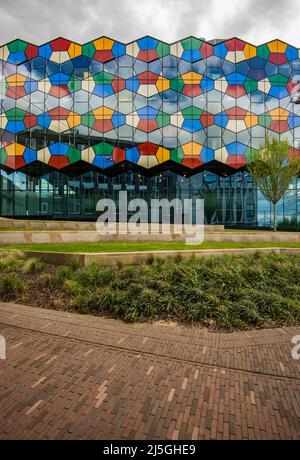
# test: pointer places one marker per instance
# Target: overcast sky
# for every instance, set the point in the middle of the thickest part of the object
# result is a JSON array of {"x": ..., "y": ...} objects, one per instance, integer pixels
[{"x": 256, "y": 21}]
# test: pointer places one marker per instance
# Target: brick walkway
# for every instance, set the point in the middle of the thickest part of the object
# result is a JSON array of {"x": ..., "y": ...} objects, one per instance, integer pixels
[{"x": 74, "y": 376}]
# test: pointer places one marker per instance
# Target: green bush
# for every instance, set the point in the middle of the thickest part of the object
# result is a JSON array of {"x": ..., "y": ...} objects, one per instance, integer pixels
[
  {"x": 128, "y": 272},
  {"x": 120, "y": 264},
  {"x": 81, "y": 302},
  {"x": 71, "y": 287},
  {"x": 47, "y": 280},
  {"x": 31, "y": 264},
  {"x": 94, "y": 275},
  {"x": 226, "y": 292},
  {"x": 64, "y": 272},
  {"x": 150, "y": 259},
  {"x": 229, "y": 292},
  {"x": 11, "y": 261},
  {"x": 11, "y": 285}
]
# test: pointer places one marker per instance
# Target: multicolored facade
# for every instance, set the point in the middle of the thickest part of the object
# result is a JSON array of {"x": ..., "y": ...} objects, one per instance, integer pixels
[{"x": 146, "y": 107}]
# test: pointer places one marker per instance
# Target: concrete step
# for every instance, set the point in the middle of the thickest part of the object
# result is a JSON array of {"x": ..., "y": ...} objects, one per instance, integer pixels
[
  {"x": 131, "y": 258},
  {"x": 84, "y": 236},
  {"x": 74, "y": 225}
]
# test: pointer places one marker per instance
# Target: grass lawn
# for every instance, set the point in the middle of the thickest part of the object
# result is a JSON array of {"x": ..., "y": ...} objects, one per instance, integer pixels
[
  {"x": 116, "y": 246},
  {"x": 50, "y": 230},
  {"x": 26, "y": 230}
]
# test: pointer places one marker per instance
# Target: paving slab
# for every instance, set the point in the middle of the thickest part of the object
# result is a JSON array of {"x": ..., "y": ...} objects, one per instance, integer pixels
[{"x": 71, "y": 376}]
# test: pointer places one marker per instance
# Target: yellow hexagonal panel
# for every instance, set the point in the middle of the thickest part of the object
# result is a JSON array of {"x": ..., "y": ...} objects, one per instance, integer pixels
[
  {"x": 16, "y": 80},
  {"x": 103, "y": 113},
  {"x": 192, "y": 78},
  {"x": 15, "y": 149},
  {"x": 192, "y": 148},
  {"x": 162, "y": 84},
  {"x": 279, "y": 114},
  {"x": 103, "y": 43},
  {"x": 74, "y": 50},
  {"x": 249, "y": 51},
  {"x": 276, "y": 46},
  {"x": 162, "y": 155},
  {"x": 251, "y": 120},
  {"x": 74, "y": 119}
]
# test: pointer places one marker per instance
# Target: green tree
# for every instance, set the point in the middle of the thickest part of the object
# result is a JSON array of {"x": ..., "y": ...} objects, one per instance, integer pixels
[{"x": 273, "y": 170}]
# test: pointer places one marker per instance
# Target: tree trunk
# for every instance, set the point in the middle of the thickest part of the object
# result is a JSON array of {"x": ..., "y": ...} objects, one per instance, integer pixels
[{"x": 274, "y": 218}]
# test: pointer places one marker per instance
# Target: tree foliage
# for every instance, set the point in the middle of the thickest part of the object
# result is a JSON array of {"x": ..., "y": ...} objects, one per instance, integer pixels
[{"x": 273, "y": 170}]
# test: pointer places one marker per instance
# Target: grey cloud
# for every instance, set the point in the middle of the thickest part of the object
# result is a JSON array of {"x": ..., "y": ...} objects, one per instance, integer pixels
[
  {"x": 262, "y": 19},
  {"x": 256, "y": 21}
]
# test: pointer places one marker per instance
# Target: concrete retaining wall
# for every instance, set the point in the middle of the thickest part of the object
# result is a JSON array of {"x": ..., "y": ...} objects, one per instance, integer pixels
[
  {"x": 29, "y": 237},
  {"x": 75, "y": 226},
  {"x": 36, "y": 237},
  {"x": 132, "y": 258},
  {"x": 263, "y": 237}
]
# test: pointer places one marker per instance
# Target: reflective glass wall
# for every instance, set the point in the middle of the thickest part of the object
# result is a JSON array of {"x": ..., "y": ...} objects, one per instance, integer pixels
[
  {"x": 186, "y": 106},
  {"x": 233, "y": 200},
  {"x": 81, "y": 121}
]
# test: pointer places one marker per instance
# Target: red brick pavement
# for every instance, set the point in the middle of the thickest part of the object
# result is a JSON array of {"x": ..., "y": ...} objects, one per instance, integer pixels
[{"x": 72, "y": 376}]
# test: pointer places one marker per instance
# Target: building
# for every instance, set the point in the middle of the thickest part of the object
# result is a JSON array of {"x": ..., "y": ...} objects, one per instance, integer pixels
[{"x": 81, "y": 122}]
